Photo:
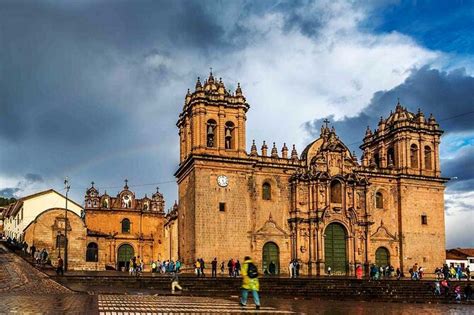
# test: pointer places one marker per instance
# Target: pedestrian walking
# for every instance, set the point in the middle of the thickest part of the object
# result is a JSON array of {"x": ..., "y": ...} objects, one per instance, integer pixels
[
  {"x": 250, "y": 282},
  {"x": 214, "y": 267},
  {"x": 175, "y": 282},
  {"x": 222, "y": 268}
]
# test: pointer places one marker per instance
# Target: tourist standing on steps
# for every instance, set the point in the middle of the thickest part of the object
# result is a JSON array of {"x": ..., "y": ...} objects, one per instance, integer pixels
[
  {"x": 214, "y": 267},
  {"x": 250, "y": 282},
  {"x": 329, "y": 270}
]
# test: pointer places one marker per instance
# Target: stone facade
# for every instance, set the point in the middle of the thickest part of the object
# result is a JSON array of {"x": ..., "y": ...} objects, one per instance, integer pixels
[
  {"x": 323, "y": 207},
  {"x": 124, "y": 226},
  {"x": 46, "y": 231}
]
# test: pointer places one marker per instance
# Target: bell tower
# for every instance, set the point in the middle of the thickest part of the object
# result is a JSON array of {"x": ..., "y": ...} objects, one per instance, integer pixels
[
  {"x": 213, "y": 121},
  {"x": 405, "y": 142}
]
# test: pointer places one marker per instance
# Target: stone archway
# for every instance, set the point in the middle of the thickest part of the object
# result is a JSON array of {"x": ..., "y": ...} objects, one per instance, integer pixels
[
  {"x": 270, "y": 253},
  {"x": 124, "y": 254},
  {"x": 335, "y": 248},
  {"x": 382, "y": 257}
]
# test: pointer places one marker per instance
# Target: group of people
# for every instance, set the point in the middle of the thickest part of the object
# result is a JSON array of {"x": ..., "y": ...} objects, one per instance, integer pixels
[
  {"x": 234, "y": 267},
  {"x": 441, "y": 286},
  {"x": 453, "y": 272},
  {"x": 165, "y": 266}
]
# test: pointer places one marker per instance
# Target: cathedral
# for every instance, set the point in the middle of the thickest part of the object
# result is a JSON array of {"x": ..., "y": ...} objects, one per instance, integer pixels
[{"x": 323, "y": 207}]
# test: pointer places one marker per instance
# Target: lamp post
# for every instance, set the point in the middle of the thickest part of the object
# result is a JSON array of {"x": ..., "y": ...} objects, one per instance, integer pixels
[{"x": 67, "y": 186}]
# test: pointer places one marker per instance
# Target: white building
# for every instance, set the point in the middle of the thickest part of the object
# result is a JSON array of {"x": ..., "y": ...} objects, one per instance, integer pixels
[
  {"x": 461, "y": 256},
  {"x": 21, "y": 213}
]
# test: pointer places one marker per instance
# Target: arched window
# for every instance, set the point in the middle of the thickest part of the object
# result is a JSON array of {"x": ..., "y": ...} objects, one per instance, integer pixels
[
  {"x": 229, "y": 135},
  {"x": 125, "y": 226},
  {"x": 266, "y": 191},
  {"x": 390, "y": 157},
  {"x": 378, "y": 200},
  {"x": 211, "y": 133},
  {"x": 336, "y": 191},
  {"x": 92, "y": 252},
  {"x": 414, "y": 156},
  {"x": 377, "y": 159},
  {"x": 428, "y": 158}
]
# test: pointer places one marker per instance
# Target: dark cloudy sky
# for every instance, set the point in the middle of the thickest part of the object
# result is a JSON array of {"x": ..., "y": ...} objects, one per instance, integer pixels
[{"x": 92, "y": 89}]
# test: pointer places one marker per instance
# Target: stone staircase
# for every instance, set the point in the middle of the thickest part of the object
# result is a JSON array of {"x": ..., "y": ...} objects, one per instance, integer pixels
[{"x": 335, "y": 288}]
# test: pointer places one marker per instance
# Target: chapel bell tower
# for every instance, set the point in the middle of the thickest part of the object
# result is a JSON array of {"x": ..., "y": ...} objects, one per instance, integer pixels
[
  {"x": 404, "y": 142},
  {"x": 213, "y": 121}
]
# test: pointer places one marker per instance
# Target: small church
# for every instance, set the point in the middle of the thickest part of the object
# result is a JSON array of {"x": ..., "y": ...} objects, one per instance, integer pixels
[{"x": 323, "y": 207}]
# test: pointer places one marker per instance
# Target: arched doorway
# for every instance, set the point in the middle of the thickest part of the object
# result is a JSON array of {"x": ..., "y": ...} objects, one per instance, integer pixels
[
  {"x": 382, "y": 257},
  {"x": 271, "y": 253},
  {"x": 124, "y": 254},
  {"x": 335, "y": 252}
]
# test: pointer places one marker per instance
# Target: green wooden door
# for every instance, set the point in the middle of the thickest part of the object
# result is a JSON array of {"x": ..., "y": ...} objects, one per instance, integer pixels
[
  {"x": 382, "y": 257},
  {"x": 271, "y": 253},
  {"x": 335, "y": 252},
  {"x": 125, "y": 253}
]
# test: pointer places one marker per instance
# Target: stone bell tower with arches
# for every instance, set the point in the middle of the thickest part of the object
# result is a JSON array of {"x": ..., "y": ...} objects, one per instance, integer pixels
[{"x": 212, "y": 121}]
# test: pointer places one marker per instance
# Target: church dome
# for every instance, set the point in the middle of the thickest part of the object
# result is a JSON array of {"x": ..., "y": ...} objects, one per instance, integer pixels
[{"x": 400, "y": 114}]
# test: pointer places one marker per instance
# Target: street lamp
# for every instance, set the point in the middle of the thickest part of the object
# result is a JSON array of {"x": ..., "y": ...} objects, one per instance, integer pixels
[{"x": 67, "y": 186}]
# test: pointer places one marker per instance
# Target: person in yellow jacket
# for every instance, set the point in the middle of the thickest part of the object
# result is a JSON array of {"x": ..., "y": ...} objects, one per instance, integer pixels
[{"x": 250, "y": 282}]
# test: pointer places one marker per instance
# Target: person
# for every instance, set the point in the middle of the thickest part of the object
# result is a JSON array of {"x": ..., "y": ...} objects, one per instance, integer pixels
[
  {"x": 178, "y": 265},
  {"x": 153, "y": 267},
  {"x": 445, "y": 271},
  {"x": 415, "y": 274},
  {"x": 359, "y": 272},
  {"x": 234, "y": 268},
  {"x": 297, "y": 268},
  {"x": 214, "y": 267},
  {"x": 399, "y": 273},
  {"x": 468, "y": 273},
  {"x": 445, "y": 286},
  {"x": 457, "y": 293},
  {"x": 237, "y": 268},
  {"x": 272, "y": 268},
  {"x": 250, "y": 282},
  {"x": 222, "y": 267},
  {"x": 437, "y": 287},
  {"x": 468, "y": 292},
  {"x": 59, "y": 268},
  {"x": 329, "y": 270},
  {"x": 458, "y": 272},
  {"x": 197, "y": 266},
  {"x": 202, "y": 267},
  {"x": 33, "y": 250},
  {"x": 175, "y": 282},
  {"x": 229, "y": 266}
]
